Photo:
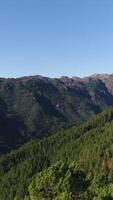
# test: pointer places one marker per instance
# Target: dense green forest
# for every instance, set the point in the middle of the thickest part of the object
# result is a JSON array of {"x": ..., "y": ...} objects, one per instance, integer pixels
[
  {"x": 36, "y": 106},
  {"x": 74, "y": 163}
]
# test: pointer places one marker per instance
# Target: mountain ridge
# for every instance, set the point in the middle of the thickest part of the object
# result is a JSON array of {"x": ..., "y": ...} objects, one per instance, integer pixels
[{"x": 37, "y": 106}]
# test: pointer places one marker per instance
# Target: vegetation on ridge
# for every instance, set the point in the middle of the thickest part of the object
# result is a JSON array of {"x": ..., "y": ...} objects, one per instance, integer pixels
[{"x": 90, "y": 146}]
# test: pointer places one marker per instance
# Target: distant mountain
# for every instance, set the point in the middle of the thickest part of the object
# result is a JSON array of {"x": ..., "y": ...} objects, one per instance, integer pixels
[
  {"x": 36, "y": 106},
  {"x": 75, "y": 163}
]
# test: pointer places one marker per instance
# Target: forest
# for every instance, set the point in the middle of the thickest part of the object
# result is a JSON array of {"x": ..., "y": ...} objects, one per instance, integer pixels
[{"x": 74, "y": 163}]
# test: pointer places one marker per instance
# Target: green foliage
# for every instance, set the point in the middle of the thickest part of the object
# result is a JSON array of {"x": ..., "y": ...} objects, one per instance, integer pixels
[
  {"x": 59, "y": 182},
  {"x": 90, "y": 146}
]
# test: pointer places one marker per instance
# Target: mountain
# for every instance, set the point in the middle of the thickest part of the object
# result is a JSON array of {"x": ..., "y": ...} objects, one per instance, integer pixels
[
  {"x": 74, "y": 163},
  {"x": 36, "y": 106}
]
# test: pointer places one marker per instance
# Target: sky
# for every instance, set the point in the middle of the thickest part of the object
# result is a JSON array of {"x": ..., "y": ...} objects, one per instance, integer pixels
[{"x": 56, "y": 37}]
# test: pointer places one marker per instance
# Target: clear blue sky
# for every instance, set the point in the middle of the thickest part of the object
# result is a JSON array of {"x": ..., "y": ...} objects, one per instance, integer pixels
[{"x": 56, "y": 37}]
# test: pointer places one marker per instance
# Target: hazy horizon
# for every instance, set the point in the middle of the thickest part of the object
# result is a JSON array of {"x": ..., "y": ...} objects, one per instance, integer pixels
[{"x": 63, "y": 75}]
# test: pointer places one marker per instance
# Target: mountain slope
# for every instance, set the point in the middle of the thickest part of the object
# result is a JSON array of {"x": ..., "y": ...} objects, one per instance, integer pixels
[
  {"x": 37, "y": 106},
  {"x": 89, "y": 145}
]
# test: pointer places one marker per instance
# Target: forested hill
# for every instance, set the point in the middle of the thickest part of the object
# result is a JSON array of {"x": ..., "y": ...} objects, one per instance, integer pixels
[
  {"x": 35, "y": 106},
  {"x": 85, "y": 170}
]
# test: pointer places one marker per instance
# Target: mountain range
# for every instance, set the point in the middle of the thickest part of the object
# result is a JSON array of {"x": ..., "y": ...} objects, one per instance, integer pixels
[
  {"x": 56, "y": 138},
  {"x": 36, "y": 106}
]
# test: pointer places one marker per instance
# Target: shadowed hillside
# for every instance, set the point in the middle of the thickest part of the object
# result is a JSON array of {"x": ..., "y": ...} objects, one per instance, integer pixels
[{"x": 36, "y": 106}]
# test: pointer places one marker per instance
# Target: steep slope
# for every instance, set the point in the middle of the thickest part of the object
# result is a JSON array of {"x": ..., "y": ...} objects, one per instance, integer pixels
[
  {"x": 11, "y": 129},
  {"x": 39, "y": 105},
  {"x": 89, "y": 145}
]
